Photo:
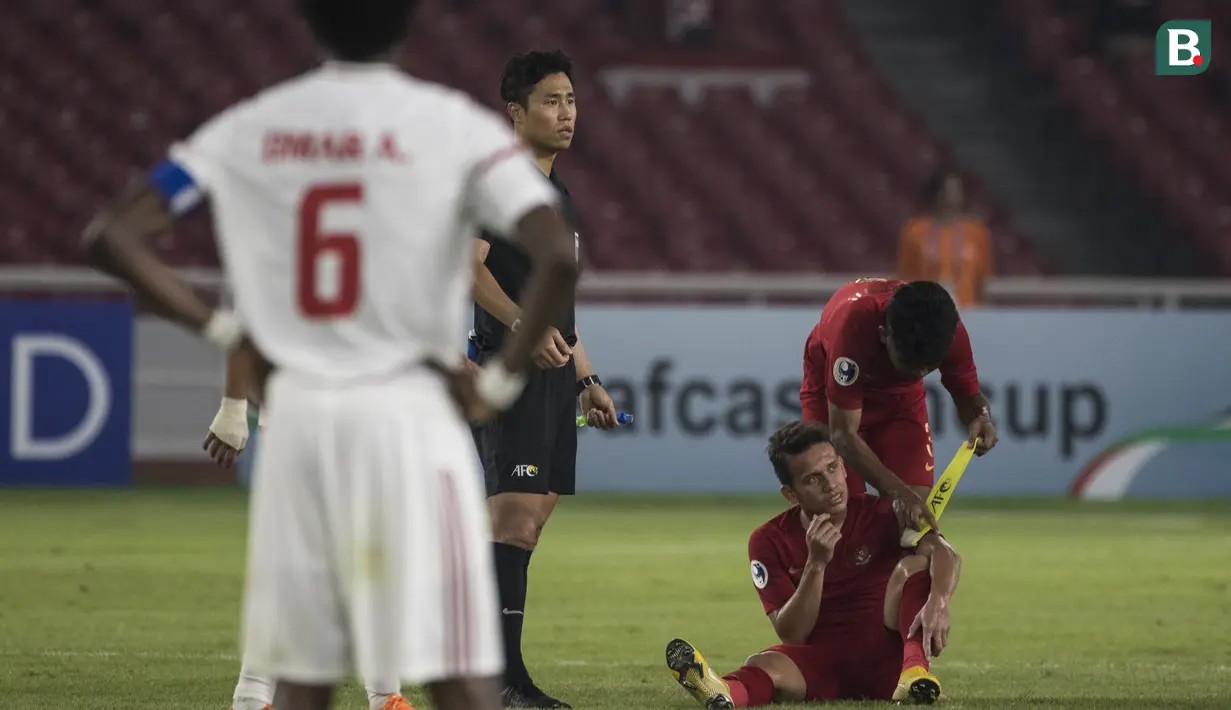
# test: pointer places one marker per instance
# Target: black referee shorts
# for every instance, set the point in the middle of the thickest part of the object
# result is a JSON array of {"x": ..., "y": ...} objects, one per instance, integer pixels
[{"x": 532, "y": 446}]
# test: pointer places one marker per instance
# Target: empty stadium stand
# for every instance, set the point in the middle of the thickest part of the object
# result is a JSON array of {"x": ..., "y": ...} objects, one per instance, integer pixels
[
  {"x": 809, "y": 177},
  {"x": 1169, "y": 131}
]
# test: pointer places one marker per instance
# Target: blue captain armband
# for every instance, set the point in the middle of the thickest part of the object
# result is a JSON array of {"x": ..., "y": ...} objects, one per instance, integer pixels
[{"x": 176, "y": 186}]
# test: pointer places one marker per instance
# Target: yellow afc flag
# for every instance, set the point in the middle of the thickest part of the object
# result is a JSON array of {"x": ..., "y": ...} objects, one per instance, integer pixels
[{"x": 942, "y": 491}]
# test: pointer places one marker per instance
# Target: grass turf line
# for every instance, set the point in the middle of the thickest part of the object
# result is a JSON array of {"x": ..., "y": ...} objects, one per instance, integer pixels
[{"x": 130, "y": 600}]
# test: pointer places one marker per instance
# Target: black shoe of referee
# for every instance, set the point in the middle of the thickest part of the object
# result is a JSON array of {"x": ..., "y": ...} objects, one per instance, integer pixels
[{"x": 529, "y": 696}]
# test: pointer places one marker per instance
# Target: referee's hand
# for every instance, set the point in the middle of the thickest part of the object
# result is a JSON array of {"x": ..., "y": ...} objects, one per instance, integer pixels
[
  {"x": 553, "y": 352},
  {"x": 600, "y": 411}
]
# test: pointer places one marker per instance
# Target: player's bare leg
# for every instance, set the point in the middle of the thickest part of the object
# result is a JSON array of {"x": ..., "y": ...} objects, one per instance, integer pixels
[
  {"x": 305, "y": 697},
  {"x": 905, "y": 595},
  {"x": 517, "y": 523},
  {"x": 518, "y": 518},
  {"x": 466, "y": 694}
]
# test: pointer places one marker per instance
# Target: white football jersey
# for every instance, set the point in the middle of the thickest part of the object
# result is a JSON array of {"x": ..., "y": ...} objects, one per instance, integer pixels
[{"x": 345, "y": 202}]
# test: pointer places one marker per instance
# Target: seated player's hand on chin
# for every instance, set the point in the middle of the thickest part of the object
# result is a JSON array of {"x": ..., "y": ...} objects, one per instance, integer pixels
[
  {"x": 823, "y": 537},
  {"x": 600, "y": 411},
  {"x": 553, "y": 352}
]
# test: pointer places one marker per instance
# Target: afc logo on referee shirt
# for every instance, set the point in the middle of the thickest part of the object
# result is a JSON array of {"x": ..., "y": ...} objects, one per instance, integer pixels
[{"x": 525, "y": 471}]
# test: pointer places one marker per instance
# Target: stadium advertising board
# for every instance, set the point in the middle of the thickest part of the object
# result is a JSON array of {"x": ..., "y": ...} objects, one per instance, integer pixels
[
  {"x": 66, "y": 389},
  {"x": 1068, "y": 389}
]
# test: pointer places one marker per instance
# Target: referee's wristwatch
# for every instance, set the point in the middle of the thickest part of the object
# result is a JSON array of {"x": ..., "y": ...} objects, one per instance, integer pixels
[{"x": 586, "y": 383}]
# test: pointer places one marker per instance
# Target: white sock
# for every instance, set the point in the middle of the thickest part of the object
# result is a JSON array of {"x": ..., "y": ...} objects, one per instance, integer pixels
[
  {"x": 248, "y": 704},
  {"x": 253, "y": 692},
  {"x": 378, "y": 698}
]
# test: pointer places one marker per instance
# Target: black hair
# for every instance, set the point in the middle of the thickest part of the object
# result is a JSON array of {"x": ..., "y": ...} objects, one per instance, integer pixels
[
  {"x": 524, "y": 71},
  {"x": 935, "y": 185},
  {"x": 791, "y": 440},
  {"x": 358, "y": 30},
  {"x": 921, "y": 318}
]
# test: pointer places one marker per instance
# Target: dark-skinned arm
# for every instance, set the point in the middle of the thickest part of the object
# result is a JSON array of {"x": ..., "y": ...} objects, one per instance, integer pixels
[
  {"x": 117, "y": 243},
  {"x": 960, "y": 377},
  {"x": 241, "y": 375},
  {"x": 844, "y": 433},
  {"x": 970, "y": 408}
]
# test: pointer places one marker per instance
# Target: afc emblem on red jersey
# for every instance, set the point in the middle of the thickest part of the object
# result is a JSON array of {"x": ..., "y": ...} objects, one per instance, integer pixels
[
  {"x": 760, "y": 575},
  {"x": 845, "y": 371},
  {"x": 863, "y": 555}
]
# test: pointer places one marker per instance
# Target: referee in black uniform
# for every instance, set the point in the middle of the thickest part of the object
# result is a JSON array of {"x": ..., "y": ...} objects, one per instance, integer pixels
[{"x": 530, "y": 451}]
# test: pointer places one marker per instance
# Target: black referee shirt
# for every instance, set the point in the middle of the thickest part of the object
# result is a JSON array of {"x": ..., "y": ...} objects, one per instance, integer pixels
[{"x": 510, "y": 264}]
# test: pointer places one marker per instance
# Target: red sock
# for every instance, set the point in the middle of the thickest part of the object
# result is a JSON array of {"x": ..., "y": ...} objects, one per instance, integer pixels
[
  {"x": 750, "y": 686},
  {"x": 914, "y": 596}
]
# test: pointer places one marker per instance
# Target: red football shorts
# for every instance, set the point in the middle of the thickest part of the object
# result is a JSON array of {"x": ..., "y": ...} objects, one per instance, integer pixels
[
  {"x": 861, "y": 666},
  {"x": 904, "y": 445}
]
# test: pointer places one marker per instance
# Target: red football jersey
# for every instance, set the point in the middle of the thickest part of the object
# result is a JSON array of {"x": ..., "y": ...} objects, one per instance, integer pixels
[
  {"x": 853, "y": 594},
  {"x": 846, "y": 363}
]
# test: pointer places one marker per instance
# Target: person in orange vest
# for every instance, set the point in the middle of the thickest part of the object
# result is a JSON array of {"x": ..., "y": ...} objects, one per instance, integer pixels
[{"x": 947, "y": 244}]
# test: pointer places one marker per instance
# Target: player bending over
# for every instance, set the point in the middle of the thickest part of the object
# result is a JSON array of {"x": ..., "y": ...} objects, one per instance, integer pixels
[
  {"x": 858, "y": 618},
  {"x": 864, "y": 364}
]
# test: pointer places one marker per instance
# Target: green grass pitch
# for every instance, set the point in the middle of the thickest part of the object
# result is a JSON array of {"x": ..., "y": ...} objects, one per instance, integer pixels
[{"x": 129, "y": 600}]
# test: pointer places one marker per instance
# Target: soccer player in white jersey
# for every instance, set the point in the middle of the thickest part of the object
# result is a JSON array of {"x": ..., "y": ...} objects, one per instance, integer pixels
[{"x": 345, "y": 203}]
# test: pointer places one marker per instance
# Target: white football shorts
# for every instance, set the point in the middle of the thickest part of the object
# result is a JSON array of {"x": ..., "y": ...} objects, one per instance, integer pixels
[{"x": 369, "y": 542}]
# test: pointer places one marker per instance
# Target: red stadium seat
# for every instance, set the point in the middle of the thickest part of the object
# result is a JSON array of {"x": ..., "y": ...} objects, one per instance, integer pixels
[
  {"x": 1169, "y": 133},
  {"x": 820, "y": 178}
]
